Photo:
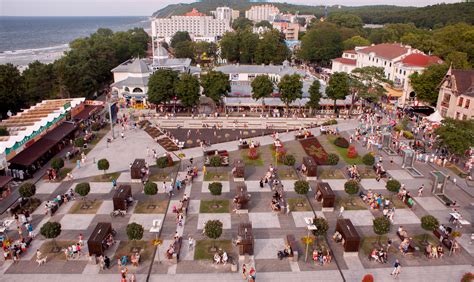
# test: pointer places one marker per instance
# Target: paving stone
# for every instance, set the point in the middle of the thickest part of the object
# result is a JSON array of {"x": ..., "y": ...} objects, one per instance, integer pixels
[
  {"x": 64, "y": 208},
  {"x": 91, "y": 269},
  {"x": 40, "y": 210},
  {"x": 194, "y": 206},
  {"x": 225, "y": 186},
  {"x": 465, "y": 242},
  {"x": 223, "y": 217},
  {"x": 162, "y": 251},
  {"x": 47, "y": 187},
  {"x": 289, "y": 185},
  {"x": 254, "y": 186},
  {"x": 268, "y": 248},
  {"x": 76, "y": 221},
  {"x": 298, "y": 217},
  {"x": 124, "y": 177},
  {"x": 31, "y": 252},
  {"x": 336, "y": 184},
  {"x": 100, "y": 187},
  {"x": 106, "y": 207},
  {"x": 359, "y": 217},
  {"x": 264, "y": 220},
  {"x": 160, "y": 186},
  {"x": 146, "y": 220},
  {"x": 405, "y": 216},
  {"x": 430, "y": 203},
  {"x": 399, "y": 174},
  {"x": 372, "y": 184}
]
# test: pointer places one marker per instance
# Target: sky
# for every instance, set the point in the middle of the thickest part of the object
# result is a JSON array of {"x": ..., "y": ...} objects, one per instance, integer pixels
[{"x": 147, "y": 7}]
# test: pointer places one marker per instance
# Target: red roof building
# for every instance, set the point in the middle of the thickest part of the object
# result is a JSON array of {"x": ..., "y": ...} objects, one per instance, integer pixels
[
  {"x": 345, "y": 61},
  {"x": 388, "y": 51},
  {"x": 420, "y": 60},
  {"x": 194, "y": 13}
]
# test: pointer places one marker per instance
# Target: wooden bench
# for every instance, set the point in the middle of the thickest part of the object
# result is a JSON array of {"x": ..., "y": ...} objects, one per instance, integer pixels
[
  {"x": 445, "y": 239},
  {"x": 290, "y": 240}
]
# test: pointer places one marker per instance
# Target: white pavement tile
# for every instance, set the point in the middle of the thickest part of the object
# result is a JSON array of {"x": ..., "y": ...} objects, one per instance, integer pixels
[
  {"x": 399, "y": 174},
  {"x": 76, "y": 221},
  {"x": 254, "y": 186},
  {"x": 405, "y": 216},
  {"x": 465, "y": 242},
  {"x": 225, "y": 186},
  {"x": 299, "y": 216},
  {"x": 336, "y": 184},
  {"x": 264, "y": 220},
  {"x": 91, "y": 269},
  {"x": 268, "y": 248},
  {"x": 430, "y": 203},
  {"x": 359, "y": 217},
  {"x": 100, "y": 187},
  {"x": 146, "y": 220},
  {"x": 124, "y": 177},
  {"x": 40, "y": 209},
  {"x": 106, "y": 207},
  {"x": 289, "y": 185},
  {"x": 160, "y": 186},
  {"x": 31, "y": 252},
  {"x": 223, "y": 217},
  {"x": 47, "y": 187},
  {"x": 372, "y": 184}
]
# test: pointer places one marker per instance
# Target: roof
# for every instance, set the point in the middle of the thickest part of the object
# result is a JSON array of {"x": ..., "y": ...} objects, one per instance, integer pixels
[
  {"x": 87, "y": 112},
  {"x": 160, "y": 51},
  {"x": 4, "y": 180},
  {"x": 387, "y": 51},
  {"x": 174, "y": 62},
  {"x": 421, "y": 60},
  {"x": 132, "y": 81},
  {"x": 345, "y": 61},
  {"x": 350, "y": 51},
  {"x": 133, "y": 66},
  {"x": 194, "y": 13},
  {"x": 273, "y": 69},
  {"x": 464, "y": 81}
]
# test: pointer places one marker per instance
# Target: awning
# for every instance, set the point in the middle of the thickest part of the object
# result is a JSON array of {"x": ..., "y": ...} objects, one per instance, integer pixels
[
  {"x": 4, "y": 180},
  {"x": 61, "y": 131},
  {"x": 394, "y": 92},
  {"x": 435, "y": 117},
  {"x": 87, "y": 112}
]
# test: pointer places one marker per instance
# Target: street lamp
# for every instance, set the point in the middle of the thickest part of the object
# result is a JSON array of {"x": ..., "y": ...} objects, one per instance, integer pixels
[{"x": 310, "y": 227}]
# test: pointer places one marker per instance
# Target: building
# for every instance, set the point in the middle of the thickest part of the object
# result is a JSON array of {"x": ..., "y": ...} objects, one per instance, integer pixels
[
  {"x": 456, "y": 95},
  {"x": 198, "y": 25},
  {"x": 262, "y": 13},
  {"x": 347, "y": 63},
  {"x": 290, "y": 30},
  {"x": 226, "y": 14}
]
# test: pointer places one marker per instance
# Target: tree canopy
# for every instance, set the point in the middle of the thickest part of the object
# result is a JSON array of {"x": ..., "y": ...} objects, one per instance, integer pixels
[
  {"x": 338, "y": 87},
  {"x": 271, "y": 48},
  {"x": 290, "y": 88},
  {"x": 321, "y": 44},
  {"x": 179, "y": 36},
  {"x": 215, "y": 84},
  {"x": 264, "y": 23},
  {"x": 314, "y": 94},
  {"x": 162, "y": 86},
  {"x": 354, "y": 41},
  {"x": 262, "y": 87},
  {"x": 11, "y": 89},
  {"x": 346, "y": 20},
  {"x": 369, "y": 83},
  {"x": 187, "y": 90},
  {"x": 241, "y": 23},
  {"x": 457, "y": 136},
  {"x": 426, "y": 84}
]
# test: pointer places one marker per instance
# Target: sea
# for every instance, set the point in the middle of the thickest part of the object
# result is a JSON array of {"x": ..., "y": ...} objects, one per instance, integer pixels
[{"x": 26, "y": 39}]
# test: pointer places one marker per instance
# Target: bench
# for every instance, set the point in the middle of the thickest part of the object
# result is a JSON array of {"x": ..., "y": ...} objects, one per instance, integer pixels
[
  {"x": 177, "y": 249},
  {"x": 290, "y": 240},
  {"x": 244, "y": 146},
  {"x": 444, "y": 238},
  {"x": 185, "y": 207}
]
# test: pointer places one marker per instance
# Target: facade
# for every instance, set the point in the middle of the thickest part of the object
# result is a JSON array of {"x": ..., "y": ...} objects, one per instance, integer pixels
[
  {"x": 347, "y": 63},
  {"x": 290, "y": 30},
  {"x": 262, "y": 13},
  {"x": 456, "y": 95},
  {"x": 195, "y": 23},
  {"x": 225, "y": 14}
]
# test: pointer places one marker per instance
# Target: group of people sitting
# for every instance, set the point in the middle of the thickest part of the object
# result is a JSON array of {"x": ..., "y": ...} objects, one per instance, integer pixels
[
  {"x": 337, "y": 237},
  {"x": 277, "y": 201},
  {"x": 353, "y": 173},
  {"x": 405, "y": 245},
  {"x": 218, "y": 259},
  {"x": 405, "y": 195},
  {"x": 379, "y": 171},
  {"x": 13, "y": 249},
  {"x": 322, "y": 257},
  {"x": 328, "y": 130},
  {"x": 379, "y": 255},
  {"x": 285, "y": 253},
  {"x": 303, "y": 133},
  {"x": 53, "y": 205},
  {"x": 432, "y": 251},
  {"x": 172, "y": 249},
  {"x": 375, "y": 200}
]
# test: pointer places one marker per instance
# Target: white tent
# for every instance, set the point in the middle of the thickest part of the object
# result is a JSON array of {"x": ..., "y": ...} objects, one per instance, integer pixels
[{"x": 435, "y": 117}]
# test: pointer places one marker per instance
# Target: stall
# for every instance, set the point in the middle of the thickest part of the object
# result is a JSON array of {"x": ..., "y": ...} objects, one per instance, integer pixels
[
  {"x": 98, "y": 241},
  {"x": 136, "y": 171},
  {"x": 311, "y": 168},
  {"x": 325, "y": 195},
  {"x": 239, "y": 169},
  {"x": 242, "y": 198},
  {"x": 121, "y": 196},
  {"x": 351, "y": 239},
  {"x": 245, "y": 239}
]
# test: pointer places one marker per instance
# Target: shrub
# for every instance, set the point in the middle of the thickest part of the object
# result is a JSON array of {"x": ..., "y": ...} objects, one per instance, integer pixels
[
  {"x": 213, "y": 229},
  {"x": 381, "y": 225},
  {"x": 393, "y": 186},
  {"x": 215, "y": 161},
  {"x": 289, "y": 160},
  {"x": 4, "y": 131},
  {"x": 150, "y": 188},
  {"x": 57, "y": 163},
  {"x": 467, "y": 277},
  {"x": 79, "y": 142},
  {"x": 96, "y": 126},
  {"x": 352, "y": 152},
  {"x": 301, "y": 187},
  {"x": 27, "y": 190},
  {"x": 103, "y": 164},
  {"x": 368, "y": 159},
  {"x": 253, "y": 153},
  {"x": 322, "y": 226},
  {"x": 341, "y": 142},
  {"x": 83, "y": 189},
  {"x": 429, "y": 223},
  {"x": 134, "y": 231},
  {"x": 408, "y": 135},
  {"x": 162, "y": 162},
  {"x": 333, "y": 159},
  {"x": 51, "y": 229},
  {"x": 398, "y": 127},
  {"x": 215, "y": 188},
  {"x": 368, "y": 278},
  {"x": 330, "y": 122},
  {"x": 351, "y": 187}
]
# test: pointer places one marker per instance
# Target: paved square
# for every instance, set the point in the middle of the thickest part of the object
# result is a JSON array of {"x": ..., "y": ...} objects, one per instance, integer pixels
[
  {"x": 399, "y": 174},
  {"x": 223, "y": 217},
  {"x": 268, "y": 248},
  {"x": 76, "y": 221},
  {"x": 299, "y": 217},
  {"x": 160, "y": 186},
  {"x": 405, "y": 216},
  {"x": 164, "y": 247},
  {"x": 336, "y": 184},
  {"x": 225, "y": 186},
  {"x": 124, "y": 177},
  {"x": 47, "y": 187},
  {"x": 430, "y": 203},
  {"x": 254, "y": 186},
  {"x": 106, "y": 207},
  {"x": 146, "y": 220},
  {"x": 194, "y": 206},
  {"x": 264, "y": 220},
  {"x": 359, "y": 218},
  {"x": 100, "y": 187},
  {"x": 289, "y": 185},
  {"x": 372, "y": 184}
]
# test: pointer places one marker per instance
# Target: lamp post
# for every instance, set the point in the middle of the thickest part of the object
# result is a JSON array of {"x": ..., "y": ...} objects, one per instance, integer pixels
[{"x": 310, "y": 227}]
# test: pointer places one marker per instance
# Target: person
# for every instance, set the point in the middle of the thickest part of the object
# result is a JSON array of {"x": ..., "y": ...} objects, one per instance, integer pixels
[
  {"x": 204, "y": 170},
  {"x": 225, "y": 258},
  {"x": 244, "y": 271},
  {"x": 261, "y": 183},
  {"x": 217, "y": 258},
  {"x": 341, "y": 211},
  {"x": 420, "y": 190},
  {"x": 133, "y": 278},
  {"x": 252, "y": 275},
  {"x": 396, "y": 269},
  {"x": 190, "y": 243},
  {"x": 107, "y": 262}
]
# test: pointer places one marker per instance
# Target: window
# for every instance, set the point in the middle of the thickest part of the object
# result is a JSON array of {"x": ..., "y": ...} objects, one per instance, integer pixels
[
  {"x": 464, "y": 117},
  {"x": 127, "y": 89},
  {"x": 458, "y": 115},
  {"x": 467, "y": 104},
  {"x": 137, "y": 90},
  {"x": 460, "y": 101}
]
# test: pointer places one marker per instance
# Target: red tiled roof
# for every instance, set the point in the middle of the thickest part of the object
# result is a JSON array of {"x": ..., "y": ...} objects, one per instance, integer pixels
[
  {"x": 386, "y": 50},
  {"x": 350, "y": 51},
  {"x": 421, "y": 60},
  {"x": 345, "y": 61},
  {"x": 194, "y": 13}
]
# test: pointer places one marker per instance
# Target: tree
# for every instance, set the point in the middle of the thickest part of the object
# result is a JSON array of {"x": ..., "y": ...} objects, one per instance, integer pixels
[
  {"x": 271, "y": 48},
  {"x": 458, "y": 60},
  {"x": 103, "y": 164},
  {"x": 346, "y": 20},
  {"x": 425, "y": 85},
  {"x": 321, "y": 44},
  {"x": 51, "y": 230},
  {"x": 11, "y": 89},
  {"x": 333, "y": 159},
  {"x": 457, "y": 136},
  {"x": 184, "y": 49},
  {"x": 241, "y": 23},
  {"x": 162, "y": 162},
  {"x": 213, "y": 229},
  {"x": 393, "y": 185},
  {"x": 40, "y": 82},
  {"x": 338, "y": 87},
  {"x": 4, "y": 131},
  {"x": 215, "y": 84},
  {"x": 322, "y": 226},
  {"x": 355, "y": 41},
  {"x": 264, "y": 23},
  {"x": 83, "y": 189},
  {"x": 27, "y": 190},
  {"x": 429, "y": 223},
  {"x": 79, "y": 142},
  {"x": 301, "y": 187},
  {"x": 351, "y": 187},
  {"x": 370, "y": 83},
  {"x": 368, "y": 159},
  {"x": 57, "y": 163},
  {"x": 180, "y": 36},
  {"x": 187, "y": 90},
  {"x": 229, "y": 45},
  {"x": 162, "y": 86},
  {"x": 381, "y": 226},
  {"x": 262, "y": 87},
  {"x": 134, "y": 232},
  {"x": 314, "y": 95},
  {"x": 215, "y": 188},
  {"x": 150, "y": 188},
  {"x": 290, "y": 88},
  {"x": 248, "y": 43}
]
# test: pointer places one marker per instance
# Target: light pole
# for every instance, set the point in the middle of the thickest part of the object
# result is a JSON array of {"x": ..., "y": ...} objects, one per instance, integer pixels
[{"x": 310, "y": 227}]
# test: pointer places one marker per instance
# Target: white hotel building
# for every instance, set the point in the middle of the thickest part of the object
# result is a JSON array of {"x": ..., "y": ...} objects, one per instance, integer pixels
[{"x": 262, "y": 13}]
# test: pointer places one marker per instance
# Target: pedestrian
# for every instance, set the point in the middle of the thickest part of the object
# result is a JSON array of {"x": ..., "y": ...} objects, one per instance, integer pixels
[
  {"x": 252, "y": 275},
  {"x": 78, "y": 164},
  {"x": 30, "y": 230},
  {"x": 420, "y": 190},
  {"x": 164, "y": 187},
  {"x": 190, "y": 243},
  {"x": 171, "y": 189},
  {"x": 261, "y": 183},
  {"x": 107, "y": 262},
  {"x": 341, "y": 211},
  {"x": 244, "y": 271},
  {"x": 133, "y": 278},
  {"x": 204, "y": 170},
  {"x": 178, "y": 184},
  {"x": 191, "y": 160},
  {"x": 147, "y": 151},
  {"x": 396, "y": 269},
  {"x": 122, "y": 135},
  {"x": 114, "y": 184}
]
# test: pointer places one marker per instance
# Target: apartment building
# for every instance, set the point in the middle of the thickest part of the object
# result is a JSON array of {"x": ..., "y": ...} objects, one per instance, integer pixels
[
  {"x": 262, "y": 13},
  {"x": 456, "y": 95}
]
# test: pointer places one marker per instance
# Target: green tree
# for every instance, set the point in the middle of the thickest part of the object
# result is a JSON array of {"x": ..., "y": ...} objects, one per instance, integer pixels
[
  {"x": 262, "y": 87},
  {"x": 83, "y": 189},
  {"x": 301, "y": 187},
  {"x": 393, "y": 185},
  {"x": 11, "y": 89},
  {"x": 322, "y": 226},
  {"x": 241, "y": 23},
  {"x": 184, "y": 49},
  {"x": 458, "y": 60},
  {"x": 4, "y": 131},
  {"x": 321, "y": 44},
  {"x": 180, "y": 36},
  {"x": 355, "y": 41},
  {"x": 314, "y": 95},
  {"x": 57, "y": 163},
  {"x": 150, "y": 188},
  {"x": 248, "y": 43},
  {"x": 40, "y": 82},
  {"x": 338, "y": 87},
  {"x": 215, "y": 188},
  {"x": 213, "y": 229},
  {"x": 271, "y": 48},
  {"x": 162, "y": 86},
  {"x": 215, "y": 84},
  {"x": 51, "y": 230},
  {"x": 229, "y": 45},
  {"x": 264, "y": 23},
  {"x": 134, "y": 232},
  {"x": 457, "y": 136},
  {"x": 187, "y": 90},
  {"x": 346, "y": 20},
  {"x": 290, "y": 88},
  {"x": 103, "y": 164},
  {"x": 429, "y": 223},
  {"x": 426, "y": 84},
  {"x": 371, "y": 82},
  {"x": 27, "y": 190},
  {"x": 381, "y": 226}
]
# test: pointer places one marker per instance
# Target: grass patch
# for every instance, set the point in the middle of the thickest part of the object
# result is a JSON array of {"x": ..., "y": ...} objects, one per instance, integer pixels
[
  {"x": 397, "y": 203},
  {"x": 419, "y": 240},
  {"x": 248, "y": 161},
  {"x": 31, "y": 205},
  {"x": 342, "y": 152},
  {"x": 287, "y": 173},
  {"x": 64, "y": 171},
  {"x": 125, "y": 248},
  {"x": 366, "y": 172},
  {"x": 355, "y": 204},
  {"x": 151, "y": 206},
  {"x": 108, "y": 177},
  {"x": 331, "y": 173},
  {"x": 214, "y": 206},
  {"x": 92, "y": 207},
  {"x": 48, "y": 247},
  {"x": 160, "y": 177},
  {"x": 203, "y": 248},
  {"x": 216, "y": 176},
  {"x": 371, "y": 242},
  {"x": 299, "y": 204}
]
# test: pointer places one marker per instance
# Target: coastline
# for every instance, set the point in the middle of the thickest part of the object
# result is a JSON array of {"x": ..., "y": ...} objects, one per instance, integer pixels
[{"x": 21, "y": 58}]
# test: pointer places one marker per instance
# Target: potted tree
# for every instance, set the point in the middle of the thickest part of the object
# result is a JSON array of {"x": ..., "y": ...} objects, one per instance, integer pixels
[
  {"x": 351, "y": 187},
  {"x": 150, "y": 188},
  {"x": 322, "y": 227},
  {"x": 429, "y": 223},
  {"x": 83, "y": 190},
  {"x": 368, "y": 159},
  {"x": 27, "y": 190},
  {"x": 289, "y": 161},
  {"x": 57, "y": 164},
  {"x": 51, "y": 230},
  {"x": 134, "y": 232},
  {"x": 215, "y": 188},
  {"x": 103, "y": 164},
  {"x": 213, "y": 230},
  {"x": 381, "y": 226}
]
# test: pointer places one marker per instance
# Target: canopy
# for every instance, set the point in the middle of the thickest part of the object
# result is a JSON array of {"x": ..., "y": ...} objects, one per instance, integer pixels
[{"x": 435, "y": 117}]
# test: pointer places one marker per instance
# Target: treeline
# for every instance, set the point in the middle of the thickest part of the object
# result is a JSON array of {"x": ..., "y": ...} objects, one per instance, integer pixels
[{"x": 81, "y": 72}]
